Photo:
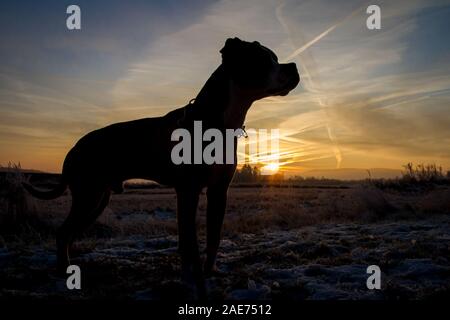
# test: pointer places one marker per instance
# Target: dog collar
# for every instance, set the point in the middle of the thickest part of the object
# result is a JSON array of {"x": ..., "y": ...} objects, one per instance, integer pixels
[{"x": 242, "y": 132}]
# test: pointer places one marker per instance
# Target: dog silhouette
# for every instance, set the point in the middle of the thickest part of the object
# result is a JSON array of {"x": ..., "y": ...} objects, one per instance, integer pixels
[{"x": 103, "y": 159}]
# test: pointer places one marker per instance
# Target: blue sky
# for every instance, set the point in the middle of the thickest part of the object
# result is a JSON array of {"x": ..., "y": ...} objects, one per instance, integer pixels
[{"x": 368, "y": 98}]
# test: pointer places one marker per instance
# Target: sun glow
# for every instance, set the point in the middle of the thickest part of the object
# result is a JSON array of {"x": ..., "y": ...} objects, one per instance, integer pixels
[{"x": 271, "y": 168}]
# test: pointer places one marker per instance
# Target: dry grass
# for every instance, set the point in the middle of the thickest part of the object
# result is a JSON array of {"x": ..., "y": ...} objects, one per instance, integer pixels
[
  {"x": 151, "y": 212},
  {"x": 19, "y": 218}
]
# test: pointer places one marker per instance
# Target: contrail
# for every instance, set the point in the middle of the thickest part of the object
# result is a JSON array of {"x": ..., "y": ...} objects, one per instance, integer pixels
[
  {"x": 317, "y": 38},
  {"x": 310, "y": 43},
  {"x": 295, "y": 53}
]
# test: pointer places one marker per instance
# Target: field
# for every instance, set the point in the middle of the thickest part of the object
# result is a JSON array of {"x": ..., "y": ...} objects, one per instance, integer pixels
[{"x": 291, "y": 242}]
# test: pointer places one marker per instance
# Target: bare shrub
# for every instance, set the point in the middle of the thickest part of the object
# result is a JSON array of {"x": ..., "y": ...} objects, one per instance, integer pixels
[
  {"x": 17, "y": 203},
  {"x": 19, "y": 218},
  {"x": 422, "y": 173},
  {"x": 415, "y": 178}
]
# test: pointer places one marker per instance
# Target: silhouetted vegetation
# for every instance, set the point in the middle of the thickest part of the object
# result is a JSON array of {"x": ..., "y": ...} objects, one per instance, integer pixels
[
  {"x": 247, "y": 174},
  {"x": 416, "y": 178},
  {"x": 423, "y": 173},
  {"x": 18, "y": 214}
]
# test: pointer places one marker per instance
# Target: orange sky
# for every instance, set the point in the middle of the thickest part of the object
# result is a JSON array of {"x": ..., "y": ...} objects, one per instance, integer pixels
[{"x": 367, "y": 99}]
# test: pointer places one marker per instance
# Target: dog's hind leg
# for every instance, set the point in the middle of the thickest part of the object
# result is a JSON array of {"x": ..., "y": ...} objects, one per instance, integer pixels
[
  {"x": 187, "y": 201},
  {"x": 217, "y": 199},
  {"x": 90, "y": 218},
  {"x": 87, "y": 205}
]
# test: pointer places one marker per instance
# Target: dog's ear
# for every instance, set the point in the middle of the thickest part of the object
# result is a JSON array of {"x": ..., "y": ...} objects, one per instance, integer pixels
[
  {"x": 230, "y": 45},
  {"x": 230, "y": 53}
]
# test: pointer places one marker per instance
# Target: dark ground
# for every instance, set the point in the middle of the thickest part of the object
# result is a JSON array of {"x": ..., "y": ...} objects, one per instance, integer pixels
[{"x": 279, "y": 244}]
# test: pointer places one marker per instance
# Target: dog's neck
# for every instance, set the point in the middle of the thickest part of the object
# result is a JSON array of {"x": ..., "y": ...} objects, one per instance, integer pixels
[{"x": 221, "y": 101}]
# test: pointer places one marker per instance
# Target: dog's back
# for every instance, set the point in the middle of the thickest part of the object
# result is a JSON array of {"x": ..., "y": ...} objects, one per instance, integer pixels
[{"x": 104, "y": 158}]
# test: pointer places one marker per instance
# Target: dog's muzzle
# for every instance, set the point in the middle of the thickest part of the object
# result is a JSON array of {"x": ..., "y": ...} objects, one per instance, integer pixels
[{"x": 288, "y": 79}]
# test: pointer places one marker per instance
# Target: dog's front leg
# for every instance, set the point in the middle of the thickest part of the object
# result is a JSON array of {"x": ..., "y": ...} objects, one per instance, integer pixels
[
  {"x": 187, "y": 201},
  {"x": 217, "y": 199}
]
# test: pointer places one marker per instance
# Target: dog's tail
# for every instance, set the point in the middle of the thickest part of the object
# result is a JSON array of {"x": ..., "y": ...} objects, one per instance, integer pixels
[{"x": 47, "y": 194}]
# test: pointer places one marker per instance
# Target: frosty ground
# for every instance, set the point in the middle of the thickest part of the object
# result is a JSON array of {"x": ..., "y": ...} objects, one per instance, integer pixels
[{"x": 278, "y": 244}]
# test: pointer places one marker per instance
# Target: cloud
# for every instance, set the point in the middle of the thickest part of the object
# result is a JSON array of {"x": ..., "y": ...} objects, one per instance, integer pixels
[
  {"x": 361, "y": 100},
  {"x": 348, "y": 72}
]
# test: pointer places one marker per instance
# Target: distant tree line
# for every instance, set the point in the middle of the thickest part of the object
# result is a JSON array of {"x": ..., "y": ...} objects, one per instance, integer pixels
[{"x": 247, "y": 174}]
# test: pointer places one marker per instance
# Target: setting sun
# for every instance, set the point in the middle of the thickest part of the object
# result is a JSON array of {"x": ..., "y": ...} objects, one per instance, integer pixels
[{"x": 270, "y": 168}]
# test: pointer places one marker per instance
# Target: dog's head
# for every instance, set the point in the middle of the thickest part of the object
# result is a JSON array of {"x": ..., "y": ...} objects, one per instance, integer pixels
[{"x": 255, "y": 69}]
